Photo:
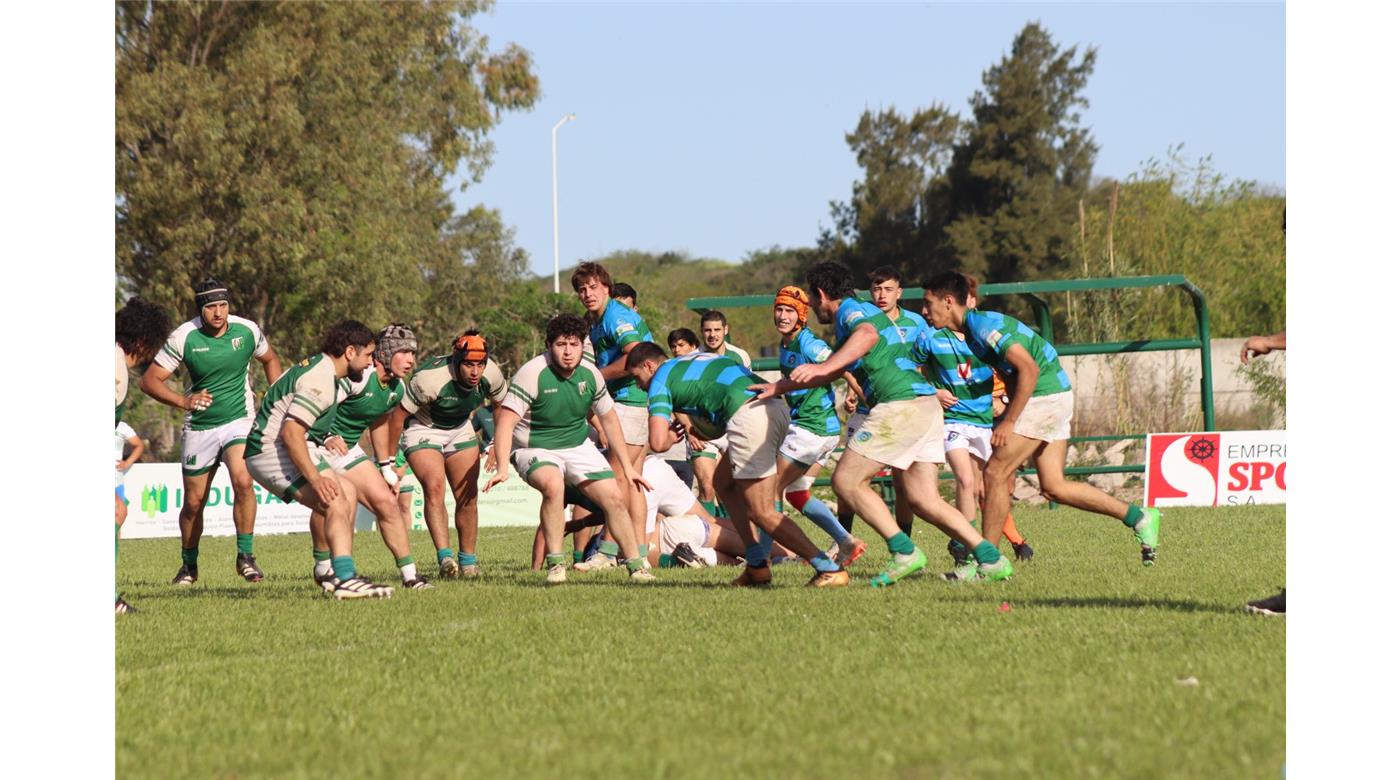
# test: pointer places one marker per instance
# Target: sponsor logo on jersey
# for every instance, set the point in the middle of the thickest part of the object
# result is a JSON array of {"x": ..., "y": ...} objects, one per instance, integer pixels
[
  {"x": 199, "y": 349},
  {"x": 583, "y": 388},
  {"x": 623, "y": 327},
  {"x": 549, "y": 390},
  {"x": 994, "y": 338},
  {"x": 965, "y": 369},
  {"x": 854, "y": 317},
  {"x": 236, "y": 342}
]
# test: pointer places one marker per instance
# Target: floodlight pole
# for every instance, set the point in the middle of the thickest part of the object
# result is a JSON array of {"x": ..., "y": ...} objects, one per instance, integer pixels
[{"x": 554, "y": 179}]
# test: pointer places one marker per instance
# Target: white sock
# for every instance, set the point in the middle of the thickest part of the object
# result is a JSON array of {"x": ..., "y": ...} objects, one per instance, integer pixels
[
  {"x": 409, "y": 571},
  {"x": 323, "y": 568}
]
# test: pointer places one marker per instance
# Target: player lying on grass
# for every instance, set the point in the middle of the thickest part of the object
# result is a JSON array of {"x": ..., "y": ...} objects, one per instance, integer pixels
[
  {"x": 542, "y": 429},
  {"x": 141, "y": 330},
  {"x": 215, "y": 348},
  {"x": 815, "y": 429},
  {"x": 713, "y": 392},
  {"x": 702, "y": 539},
  {"x": 965, "y": 386},
  {"x": 904, "y": 430},
  {"x": 1037, "y": 421},
  {"x": 442, "y": 445},
  {"x": 366, "y": 406},
  {"x": 614, "y": 330},
  {"x": 281, "y": 459}
]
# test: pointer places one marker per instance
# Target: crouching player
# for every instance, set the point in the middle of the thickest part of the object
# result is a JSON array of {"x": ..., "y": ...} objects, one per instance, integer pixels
[
  {"x": 366, "y": 406},
  {"x": 542, "y": 428},
  {"x": 443, "y": 447},
  {"x": 713, "y": 391},
  {"x": 282, "y": 460},
  {"x": 1036, "y": 422}
]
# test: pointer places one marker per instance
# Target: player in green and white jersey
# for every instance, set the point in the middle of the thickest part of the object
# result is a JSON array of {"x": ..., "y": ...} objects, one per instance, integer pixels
[
  {"x": 714, "y": 329},
  {"x": 365, "y": 407},
  {"x": 215, "y": 348},
  {"x": 442, "y": 445},
  {"x": 904, "y": 427},
  {"x": 141, "y": 329},
  {"x": 301, "y": 405},
  {"x": 542, "y": 429}
]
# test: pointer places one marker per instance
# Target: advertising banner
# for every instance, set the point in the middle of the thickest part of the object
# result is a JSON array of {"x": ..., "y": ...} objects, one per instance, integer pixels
[
  {"x": 156, "y": 493},
  {"x": 1228, "y": 468}
]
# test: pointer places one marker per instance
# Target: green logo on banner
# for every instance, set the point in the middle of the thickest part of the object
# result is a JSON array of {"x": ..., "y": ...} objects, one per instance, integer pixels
[{"x": 155, "y": 500}]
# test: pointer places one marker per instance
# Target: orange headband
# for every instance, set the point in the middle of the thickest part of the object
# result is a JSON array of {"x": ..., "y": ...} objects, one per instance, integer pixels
[
  {"x": 472, "y": 346},
  {"x": 796, "y": 297}
]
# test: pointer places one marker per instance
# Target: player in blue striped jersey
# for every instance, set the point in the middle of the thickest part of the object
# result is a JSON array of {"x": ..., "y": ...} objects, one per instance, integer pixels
[{"x": 1037, "y": 421}]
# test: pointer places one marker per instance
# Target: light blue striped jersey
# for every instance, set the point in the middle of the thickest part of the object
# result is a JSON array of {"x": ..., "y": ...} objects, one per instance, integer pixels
[
  {"x": 618, "y": 327},
  {"x": 813, "y": 408},
  {"x": 960, "y": 372},
  {"x": 706, "y": 386},
  {"x": 991, "y": 334}
]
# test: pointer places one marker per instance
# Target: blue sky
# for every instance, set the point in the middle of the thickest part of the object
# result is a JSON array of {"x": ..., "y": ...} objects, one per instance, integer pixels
[{"x": 718, "y": 129}]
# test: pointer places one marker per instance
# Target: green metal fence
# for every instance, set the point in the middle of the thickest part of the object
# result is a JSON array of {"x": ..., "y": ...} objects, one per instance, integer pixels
[{"x": 1032, "y": 292}]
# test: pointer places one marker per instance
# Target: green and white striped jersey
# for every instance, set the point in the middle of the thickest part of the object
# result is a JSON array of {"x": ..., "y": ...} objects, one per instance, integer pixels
[
  {"x": 554, "y": 408},
  {"x": 435, "y": 397},
  {"x": 363, "y": 403},
  {"x": 217, "y": 364},
  {"x": 307, "y": 392}
]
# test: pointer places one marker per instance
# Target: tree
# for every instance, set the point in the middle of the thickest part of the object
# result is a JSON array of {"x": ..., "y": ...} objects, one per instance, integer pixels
[
  {"x": 299, "y": 152},
  {"x": 1024, "y": 163}
]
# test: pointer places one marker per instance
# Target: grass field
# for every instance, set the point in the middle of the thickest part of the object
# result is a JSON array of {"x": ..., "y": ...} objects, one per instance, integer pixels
[{"x": 1081, "y": 678}]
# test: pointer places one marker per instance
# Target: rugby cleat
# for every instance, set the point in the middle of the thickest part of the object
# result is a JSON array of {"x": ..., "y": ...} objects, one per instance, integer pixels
[
  {"x": 1273, "y": 605},
  {"x": 1023, "y": 551},
  {"x": 754, "y": 577},
  {"x": 327, "y": 581},
  {"x": 829, "y": 579},
  {"x": 642, "y": 575},
  {"x": 558, "y": 574},
  {"x": 963, "y": 572},
  {"x": 418, "y": 583},
  {"x": 247, "y": 567},
  {"x": 447, "y": 568},
  {"x": 684, "y": 555},
  {"x": 900, "y": 566},
  {"x": 468, "y": 571},
  {"x": 595, "y": 562},
  {"x": 849, "y": 551},
  {"x": 959, "y": 552},
  {"x": 187, "y": 575},
  {"x": 124, "y": 608},
  {"x": 1147, "y": 531},
  {"x": 360, "y": 588},
  {"x": 994, "y": 572}
]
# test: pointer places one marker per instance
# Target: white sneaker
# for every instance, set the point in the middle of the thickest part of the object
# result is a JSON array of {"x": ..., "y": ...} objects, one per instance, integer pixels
[
  {"x": 361, "y": 588},
  {"x": 595, "y": 562},
  {"x": 558, "y": 573},
  {"x": 642, "y": 575}
]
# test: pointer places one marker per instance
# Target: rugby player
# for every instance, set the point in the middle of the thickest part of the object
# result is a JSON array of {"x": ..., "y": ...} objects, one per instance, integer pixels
[
  {"x": 714, "y": 329},
  {"x": 542, "y": 428},
  {"x": 815, "y": 430},
  {"x": 704, "y": 455},
  {"x": 215, "y": 348},
  {"x": 615, "y": 331},
  {"x": 1037, "y": 421},
  {"x": 367, "y": 406},
  {"x": 713, "y": 391},
  {"x": 442, "y": 445},
  {"x": 285, "y": 463},
  {"x": 141, "y": 330},
  {"x": 904, "y": 430}
]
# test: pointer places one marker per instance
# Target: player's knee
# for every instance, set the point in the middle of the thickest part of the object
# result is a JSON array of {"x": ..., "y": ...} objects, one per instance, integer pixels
[
  {"x": 242, "y": 483},
  {"x": 1056, "y": 490},
  {"x": 845, "y": 482}
]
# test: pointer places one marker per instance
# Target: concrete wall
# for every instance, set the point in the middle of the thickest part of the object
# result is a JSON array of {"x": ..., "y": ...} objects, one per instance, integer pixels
[{"x": 1160, "y": 378}]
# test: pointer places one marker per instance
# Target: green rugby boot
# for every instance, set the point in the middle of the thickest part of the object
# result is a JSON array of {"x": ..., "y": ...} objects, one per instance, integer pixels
[
  {"x": 994, "y": 572},
  {"x": 963, "y": 572},
  {"x": 901, "y": 566},
  {"x": 1147, "y": 531}
]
